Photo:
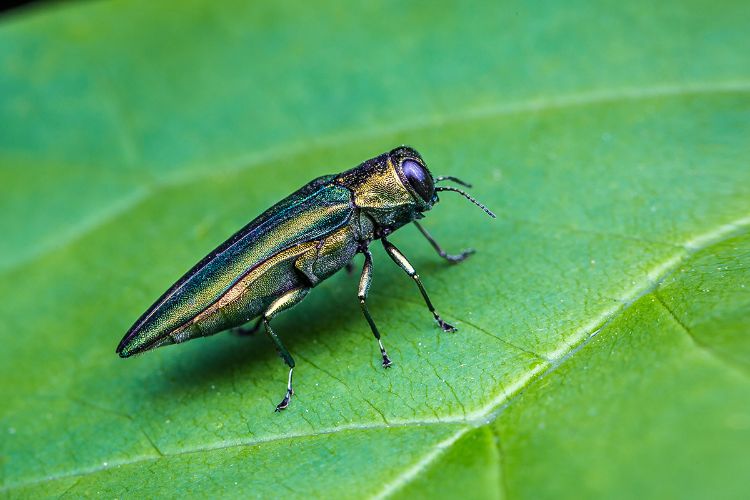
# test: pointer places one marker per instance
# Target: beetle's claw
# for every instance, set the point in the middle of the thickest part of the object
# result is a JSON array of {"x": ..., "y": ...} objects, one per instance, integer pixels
[
  {"x": 447, "y": 327},
  {"x": 386, "y": 361}
]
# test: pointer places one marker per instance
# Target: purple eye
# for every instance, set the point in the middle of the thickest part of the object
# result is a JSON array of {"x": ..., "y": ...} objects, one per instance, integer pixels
[{"x": 419, "y": 179}]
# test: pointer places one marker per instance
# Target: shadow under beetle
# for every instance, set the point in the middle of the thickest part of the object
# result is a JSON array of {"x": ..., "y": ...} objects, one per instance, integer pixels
[{"x": 270, "y": 264}]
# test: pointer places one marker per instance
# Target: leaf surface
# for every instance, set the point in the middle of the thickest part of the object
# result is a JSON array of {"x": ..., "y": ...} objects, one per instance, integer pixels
[{"x": 603, "y": 338}]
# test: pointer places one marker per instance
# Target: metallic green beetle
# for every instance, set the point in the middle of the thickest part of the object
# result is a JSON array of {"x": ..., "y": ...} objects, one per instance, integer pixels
[{"x": 271, "y": 263}]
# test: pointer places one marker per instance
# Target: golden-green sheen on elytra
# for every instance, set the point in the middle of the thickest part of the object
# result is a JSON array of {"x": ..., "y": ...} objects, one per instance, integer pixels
[{"x": 270, "y": 264}]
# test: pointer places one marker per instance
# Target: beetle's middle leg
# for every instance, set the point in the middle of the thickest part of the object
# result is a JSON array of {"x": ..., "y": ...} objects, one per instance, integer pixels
[
  {"x": 399, "y": 258},
  {"x": 453, "y": 259},
  {"x": 286, "y": 301},
  {"x": 364, "y": 287}
]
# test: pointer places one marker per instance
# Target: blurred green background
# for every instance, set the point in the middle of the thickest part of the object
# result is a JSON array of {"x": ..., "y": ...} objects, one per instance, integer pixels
[{"x": 604, "y": 340}]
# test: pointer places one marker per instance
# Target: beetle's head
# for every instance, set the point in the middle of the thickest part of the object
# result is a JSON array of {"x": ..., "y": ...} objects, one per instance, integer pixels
[
  {"x": 415, "y": 177},
  {"x": 418, "y": 180},
  {"x": 395, "y": 188}
]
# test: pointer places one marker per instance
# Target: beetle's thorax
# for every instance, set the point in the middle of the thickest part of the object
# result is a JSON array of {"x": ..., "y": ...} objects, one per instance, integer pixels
[{"x": 380, "y": 194}]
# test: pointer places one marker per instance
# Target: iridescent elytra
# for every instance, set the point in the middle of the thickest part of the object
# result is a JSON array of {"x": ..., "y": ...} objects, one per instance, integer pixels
[{"x": 272, "y": 263}]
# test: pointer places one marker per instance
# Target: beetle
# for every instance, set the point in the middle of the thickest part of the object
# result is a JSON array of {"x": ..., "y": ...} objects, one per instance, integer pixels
[{"x": 272, "y": 263}]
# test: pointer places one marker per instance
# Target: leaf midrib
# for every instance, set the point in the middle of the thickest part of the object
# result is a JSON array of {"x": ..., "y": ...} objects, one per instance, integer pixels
[
  {"x": 286, "y": 152},
  {"x": 489, "y": 412}
]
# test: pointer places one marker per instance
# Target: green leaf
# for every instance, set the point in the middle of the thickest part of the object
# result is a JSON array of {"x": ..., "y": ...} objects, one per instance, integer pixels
[{"x": 603, "y": 345}]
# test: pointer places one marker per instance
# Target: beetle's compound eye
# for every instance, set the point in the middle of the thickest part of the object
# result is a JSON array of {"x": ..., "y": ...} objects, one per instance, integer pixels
[{"x": 419, "y": 178}]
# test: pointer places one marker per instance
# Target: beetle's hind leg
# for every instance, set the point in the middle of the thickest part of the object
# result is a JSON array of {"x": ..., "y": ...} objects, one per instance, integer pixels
[
  {"x": 245, "y": 331},
  {"x": 453, "y": 259},
  {"x": 364, "y": 287},
  {"x": 399, "y": 258},
  {"x": 286, "y": 301}
]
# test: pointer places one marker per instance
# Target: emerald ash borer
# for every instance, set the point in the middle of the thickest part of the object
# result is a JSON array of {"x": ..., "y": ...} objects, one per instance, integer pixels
[{"x": 272, "y": 263}]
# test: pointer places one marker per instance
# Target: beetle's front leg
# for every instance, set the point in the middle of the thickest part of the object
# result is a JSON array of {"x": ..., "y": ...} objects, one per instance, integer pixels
[
  {"x": 453, "y": 259},
  {"x": 364, "y": 287},
  {"x": 404, "y": 264},
  {"x": 286, "y": 301}
]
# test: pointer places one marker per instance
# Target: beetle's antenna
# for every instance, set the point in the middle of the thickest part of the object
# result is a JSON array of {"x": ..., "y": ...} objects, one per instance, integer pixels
[
  {"x": 466, "y": 195},
  {"x": 451, "y": 178}
]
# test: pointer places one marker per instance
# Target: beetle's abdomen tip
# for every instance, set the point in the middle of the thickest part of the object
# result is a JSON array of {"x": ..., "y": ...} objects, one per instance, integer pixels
[
  {"x": 130, "y": 351},
  {"x": 125, "y": 348}
]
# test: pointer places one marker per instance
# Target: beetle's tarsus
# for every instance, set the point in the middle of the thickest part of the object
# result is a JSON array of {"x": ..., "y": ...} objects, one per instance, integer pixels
[
  {"x": 455, "y": 259},
  {"x": 289, "y": 393},
  {"x": 447, "y": 327},
  {"x": 284, "y": 402},
  {"x": 386, "y": 360}
]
